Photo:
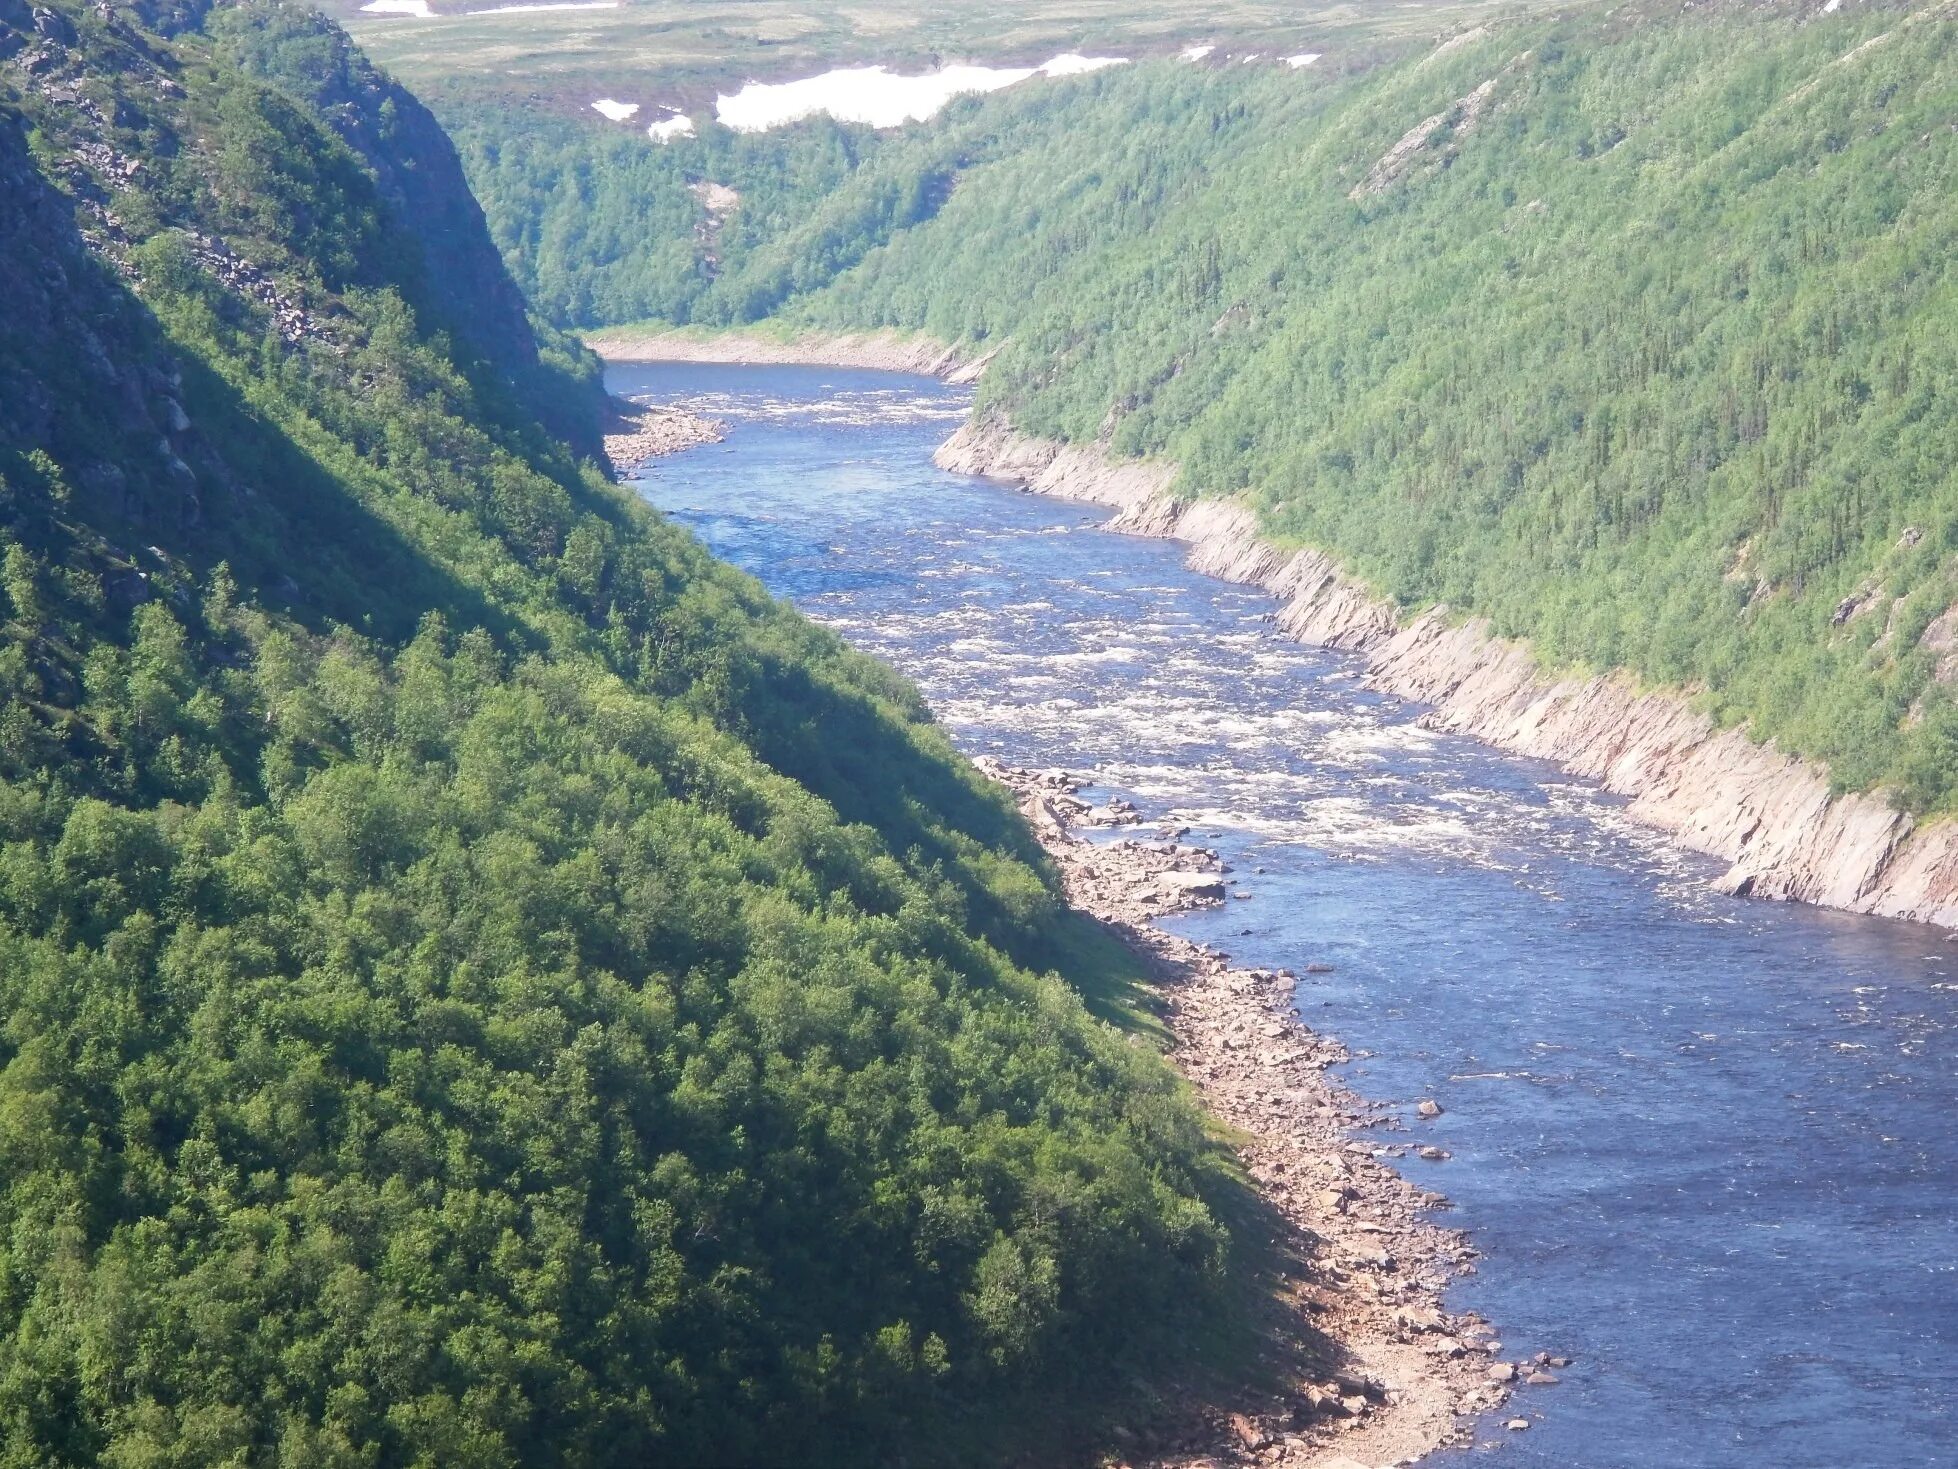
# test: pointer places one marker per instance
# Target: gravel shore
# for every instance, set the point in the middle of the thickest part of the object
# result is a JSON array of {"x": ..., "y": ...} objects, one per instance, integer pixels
[
  {"x": 636, "y": 432},
  {"x": 1377, "y": 1371}
]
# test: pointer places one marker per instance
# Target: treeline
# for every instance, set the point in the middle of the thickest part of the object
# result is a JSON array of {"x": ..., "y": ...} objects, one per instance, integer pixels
[
  {"x": 1634, "y": 334},
  {"x": 479, "y": 983}
]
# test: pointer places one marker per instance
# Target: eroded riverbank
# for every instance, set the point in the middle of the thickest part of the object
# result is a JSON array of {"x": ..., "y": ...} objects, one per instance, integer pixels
[{"x": 1773, "y": 818}]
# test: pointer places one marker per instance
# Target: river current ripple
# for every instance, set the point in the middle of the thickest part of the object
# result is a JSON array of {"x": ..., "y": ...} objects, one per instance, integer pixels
[{"x": 1709, "y": 1147}]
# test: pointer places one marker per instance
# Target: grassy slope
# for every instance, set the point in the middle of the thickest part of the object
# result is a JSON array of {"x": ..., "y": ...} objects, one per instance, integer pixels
[{"x": 479, "y": 983}]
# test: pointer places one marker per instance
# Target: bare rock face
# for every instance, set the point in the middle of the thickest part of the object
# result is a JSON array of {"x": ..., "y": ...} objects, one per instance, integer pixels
[{"x": 1769, "y": 815}]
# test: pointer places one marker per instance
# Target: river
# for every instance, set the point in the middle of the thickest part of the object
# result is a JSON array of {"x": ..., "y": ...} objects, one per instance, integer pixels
[{"x": 1707, "y": 1146}]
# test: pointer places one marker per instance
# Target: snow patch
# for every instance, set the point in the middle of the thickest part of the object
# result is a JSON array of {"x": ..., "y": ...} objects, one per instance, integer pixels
[
  {"x": 1195, "y": 53},
  {"x": 872, "y": 95},
  {"x": 1070, "y": 64},
  {"x": 1306, "y": 58},
  {"x": 667, "y": 129},
  {"x": 417, "y": 8},
  {"x": 616, "y": 111}
]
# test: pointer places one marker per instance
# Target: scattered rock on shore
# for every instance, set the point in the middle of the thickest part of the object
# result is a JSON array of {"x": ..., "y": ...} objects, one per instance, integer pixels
[
  {"x": 636, "y": 432},
  {"x": 1365, "y": 1266}
]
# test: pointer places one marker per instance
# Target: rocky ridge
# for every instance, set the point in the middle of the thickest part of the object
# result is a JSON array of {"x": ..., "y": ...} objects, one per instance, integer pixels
[
  {"x": 1380, "y": 1372},
  {"x": 1772, "y": 817}
]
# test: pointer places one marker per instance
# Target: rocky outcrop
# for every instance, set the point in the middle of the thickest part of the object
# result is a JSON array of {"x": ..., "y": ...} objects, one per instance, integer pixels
[
  {"x": 882, "y": 351},
  {"x": 1772, "y": 817}
]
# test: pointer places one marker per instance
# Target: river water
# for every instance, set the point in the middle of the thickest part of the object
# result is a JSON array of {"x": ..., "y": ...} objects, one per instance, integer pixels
[{"x": 1708, "y": 1147}]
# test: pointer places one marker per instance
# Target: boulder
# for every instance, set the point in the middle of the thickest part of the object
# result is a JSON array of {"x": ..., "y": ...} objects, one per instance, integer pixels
[
  {"x": 1428, "y": 1107},
  {"x": 54, "y": 25},
  {"x": 1200, "y": 886},
  {"x": 1248, "y": 1433}
]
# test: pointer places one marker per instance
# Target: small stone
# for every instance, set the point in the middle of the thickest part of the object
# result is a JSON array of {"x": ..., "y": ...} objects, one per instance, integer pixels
[
  {"x": 1502, "y": 1372},
  {"x": 1434, "y": 1155},
  {"x": 1541, "y": 1379},
  {"x": 1428, "y": 1107},
  {"x": 1248, "y": 1433},
  {"x": 1560, "y": 1361},
  {"x": 1517, "y": 1425},
  {"x": 1317, "y": 968}
]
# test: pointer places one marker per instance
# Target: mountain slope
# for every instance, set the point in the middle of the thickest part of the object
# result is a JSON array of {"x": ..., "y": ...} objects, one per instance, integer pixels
[
  {"x": 1629, "y": 333},
  {"x": 478, "y": 982}
]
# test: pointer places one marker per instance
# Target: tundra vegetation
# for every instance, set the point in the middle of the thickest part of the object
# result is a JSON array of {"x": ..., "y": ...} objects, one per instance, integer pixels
[{"x": 1632, "y": 332}]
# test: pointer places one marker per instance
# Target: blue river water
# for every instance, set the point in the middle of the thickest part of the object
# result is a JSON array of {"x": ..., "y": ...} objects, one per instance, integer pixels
[{"x": 1708, "y": 1147}]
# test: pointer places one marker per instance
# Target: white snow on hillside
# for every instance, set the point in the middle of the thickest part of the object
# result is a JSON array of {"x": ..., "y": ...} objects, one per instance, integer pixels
[
  {"x": 417, "y": 8},
  {"x": 667, "y": 129},
  {"x": 617, "y": 111},
  {"x": 879, "y": 98},
  {"x": 1304, "y": 58}
]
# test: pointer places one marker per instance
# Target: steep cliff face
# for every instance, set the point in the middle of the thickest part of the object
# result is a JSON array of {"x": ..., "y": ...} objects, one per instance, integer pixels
[{"x": 1772, "y": 817}]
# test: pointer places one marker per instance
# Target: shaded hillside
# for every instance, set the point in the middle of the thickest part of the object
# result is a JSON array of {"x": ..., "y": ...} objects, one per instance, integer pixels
[{"x": 479, "y": 983}]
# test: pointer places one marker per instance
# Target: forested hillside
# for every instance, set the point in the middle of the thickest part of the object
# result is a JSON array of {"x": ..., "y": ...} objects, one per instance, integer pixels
[
  {"x": 1633, "y": 332},
  {"x": 479, "y": 983}
]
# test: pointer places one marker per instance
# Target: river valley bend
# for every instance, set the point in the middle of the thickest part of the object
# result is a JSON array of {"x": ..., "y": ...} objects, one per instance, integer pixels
[{"x": 1700, "y": 1142}]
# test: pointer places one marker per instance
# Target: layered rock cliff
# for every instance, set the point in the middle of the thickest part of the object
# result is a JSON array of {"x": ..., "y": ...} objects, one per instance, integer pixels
[{"x": 1770, "y": 816}]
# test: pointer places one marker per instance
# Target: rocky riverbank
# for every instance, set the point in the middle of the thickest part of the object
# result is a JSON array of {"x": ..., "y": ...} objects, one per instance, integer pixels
[
  {"x": 881, "y": 351},
  {"x": 1378, "y": 1371},
  {"x": 1772, "y": 817},
  {"x": 636, "y": 432}
]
